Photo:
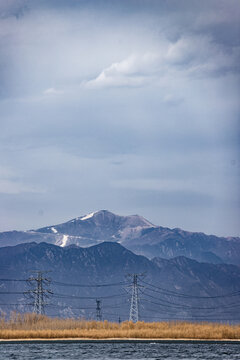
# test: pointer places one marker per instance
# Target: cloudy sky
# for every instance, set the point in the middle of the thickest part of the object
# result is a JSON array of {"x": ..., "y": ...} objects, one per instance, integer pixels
[{"x": 131, "y": 106}]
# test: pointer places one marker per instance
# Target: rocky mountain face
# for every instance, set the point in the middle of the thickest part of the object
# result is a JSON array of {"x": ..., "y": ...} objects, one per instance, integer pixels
[
  {"x": 136, "y": 234},
  {"x": 101, "y": 225},
  {"x": 169, "y": 289},
  {"x": 86, "y": 230},
  {"x": 169, "y": 243}
]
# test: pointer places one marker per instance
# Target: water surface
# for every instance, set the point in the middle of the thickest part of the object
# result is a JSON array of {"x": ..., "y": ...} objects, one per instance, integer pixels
[{"x": 119, "y": 350}]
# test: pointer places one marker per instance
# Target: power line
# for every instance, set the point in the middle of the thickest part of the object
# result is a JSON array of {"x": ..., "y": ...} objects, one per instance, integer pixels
[
  {"x": 74, "y": 308},
  {"x": 218, "y": 312},
  {"x": 11, "y": 292},
  {"x": 174, "y": 293},
  {"x": 192, "y": 319},
  {"x": 89, "y": 285},
  {"x": 4, "y": 280},
  {"x": 65, "y": 296},
  {"x": 86, "y": 307},
  {"x": 189, "y": 306},
  {"x": 18, "y": 304},
  {"x": 40, "y": 292}
]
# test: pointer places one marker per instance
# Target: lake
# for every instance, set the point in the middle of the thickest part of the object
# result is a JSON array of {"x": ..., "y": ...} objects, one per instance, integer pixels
[{"x": 119, "y": 350}]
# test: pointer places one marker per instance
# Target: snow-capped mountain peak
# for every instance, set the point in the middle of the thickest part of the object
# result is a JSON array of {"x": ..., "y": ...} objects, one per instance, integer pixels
[{"x": 135, "y": 233}]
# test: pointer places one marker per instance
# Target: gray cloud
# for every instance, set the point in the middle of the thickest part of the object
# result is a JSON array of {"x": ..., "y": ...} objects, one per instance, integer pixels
[{"x": 131, "y": 106}]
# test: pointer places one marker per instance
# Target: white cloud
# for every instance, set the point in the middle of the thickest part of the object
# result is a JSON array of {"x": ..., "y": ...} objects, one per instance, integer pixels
[
  {"x": 189, "y": 56},
  {"x": 52, "y": 91},
  {"x": 132, "y": 71}
]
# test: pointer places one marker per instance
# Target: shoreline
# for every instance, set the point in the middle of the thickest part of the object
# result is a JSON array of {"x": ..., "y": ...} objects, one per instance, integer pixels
[{"x": 117, "y": 340}]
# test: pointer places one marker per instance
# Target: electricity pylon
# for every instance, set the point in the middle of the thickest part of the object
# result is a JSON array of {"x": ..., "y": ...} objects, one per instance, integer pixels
[
  {"x": 134, "y": 308},
  {"x": 98, "y": 310},
  {"x": 39, "y": 293}
]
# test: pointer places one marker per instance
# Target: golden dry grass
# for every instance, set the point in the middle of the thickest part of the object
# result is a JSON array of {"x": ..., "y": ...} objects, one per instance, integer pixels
[{"x": 32, "y": 326}]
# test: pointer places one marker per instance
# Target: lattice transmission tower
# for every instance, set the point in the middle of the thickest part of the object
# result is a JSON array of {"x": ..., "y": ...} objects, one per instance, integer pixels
[
  {"x": 134, "y": 308},
  {"x": 39, "y": 293},
  {"x": 98, "y": 310}
]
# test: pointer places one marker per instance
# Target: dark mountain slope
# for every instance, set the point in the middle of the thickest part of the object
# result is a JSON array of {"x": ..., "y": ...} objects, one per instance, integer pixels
[
  {"x": 168, "y": 243},
  {"x": 161, "y": 288}
]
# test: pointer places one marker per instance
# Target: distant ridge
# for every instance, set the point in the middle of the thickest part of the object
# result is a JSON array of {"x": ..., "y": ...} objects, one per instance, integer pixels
[
  {"x": 162, "y": 286},
  {"x": 135, "y": 233}
]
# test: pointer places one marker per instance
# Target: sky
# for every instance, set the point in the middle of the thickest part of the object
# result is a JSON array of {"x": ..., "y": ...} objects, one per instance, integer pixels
[{"x": 131, "y": 106}]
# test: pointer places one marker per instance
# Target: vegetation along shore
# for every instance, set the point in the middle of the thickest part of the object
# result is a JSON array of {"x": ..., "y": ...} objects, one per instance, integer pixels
[{"x": 32, "y": 326}]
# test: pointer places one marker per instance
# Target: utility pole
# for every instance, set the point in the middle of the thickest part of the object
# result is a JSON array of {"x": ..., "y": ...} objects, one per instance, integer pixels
[
  {"x": 39, "y": 293},
  {"x": 98, "y": 310},
  {"x": 134, "y": 308}
]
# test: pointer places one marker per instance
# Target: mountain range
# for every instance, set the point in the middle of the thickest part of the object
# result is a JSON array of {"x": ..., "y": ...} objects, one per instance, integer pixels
[
  {"x": 136, "y": 234},
  {"x": 179, "y": 288},
  {"x": 182, "y": 275}
]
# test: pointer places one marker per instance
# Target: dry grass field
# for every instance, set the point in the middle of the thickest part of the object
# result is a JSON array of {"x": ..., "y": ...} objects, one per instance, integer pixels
[{"x": 32, "y": 326}]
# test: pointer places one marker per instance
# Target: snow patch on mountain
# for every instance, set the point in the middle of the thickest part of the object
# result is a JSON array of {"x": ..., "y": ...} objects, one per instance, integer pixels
[
  {"x": 64, "y": 240},
  {"x": 87, "y": 216},
  {"x": 54, "y": 230}
]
